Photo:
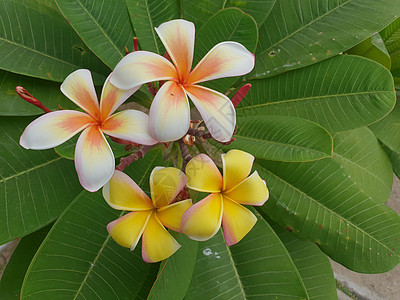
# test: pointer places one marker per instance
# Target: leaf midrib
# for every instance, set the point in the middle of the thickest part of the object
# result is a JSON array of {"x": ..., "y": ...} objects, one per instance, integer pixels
[
  {"x": 312, "y": 98},
  {"x": 4, "y": 179},
  {"x": 329, "y": 210},
  {"x": 305, "y": 26}
]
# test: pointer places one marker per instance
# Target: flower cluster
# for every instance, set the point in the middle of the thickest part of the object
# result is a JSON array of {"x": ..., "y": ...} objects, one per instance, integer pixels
[{"x": 168, "y": 120}]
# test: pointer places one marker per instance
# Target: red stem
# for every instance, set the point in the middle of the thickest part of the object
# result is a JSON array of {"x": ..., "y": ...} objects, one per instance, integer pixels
[{"x": 23, "y": 93}]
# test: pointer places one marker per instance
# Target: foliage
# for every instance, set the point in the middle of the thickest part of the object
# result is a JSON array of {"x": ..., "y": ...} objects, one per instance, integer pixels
[{"x": 320, "y": 119}]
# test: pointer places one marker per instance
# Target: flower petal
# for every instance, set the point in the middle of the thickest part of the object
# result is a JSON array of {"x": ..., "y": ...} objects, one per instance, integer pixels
[
  {"x": 79, "y": 88},
  {"x": 94, "y": 160},
  {"x": 216, "y": 109},
  {"x": 203, "y": 175},
  {"x": 226, "y": 59},
  {"x": 178, "y": 38},
  {"x": 112, "y": 97},
  {"x": 128, "y": 229},
  {"x": 130, "y": 125},
  {"x": 203, "y": 220},
  {"x": 141, "y": 67},
  {"x": 237, "y": 221},
  {"x": 170, "y": 216},
  {"x": 251, "y": 191},
  {"x": 53, "y": 129},
  {"x": 122, "y": 193},
  {"x": 157, "y": 243},
  {"x": 165, "y": 185},
  {"x": 169, "y": 116},
  {"x": 237, "y": 166}
]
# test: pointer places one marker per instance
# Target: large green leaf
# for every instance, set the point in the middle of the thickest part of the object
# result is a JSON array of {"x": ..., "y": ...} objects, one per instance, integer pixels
[
  {"x": 199, "y": 11},
  {"x": 387, "y": 130},
  {"x": 147, "y": 14},
  {"x": 364, "y": 161},
  {"x": 47, "y": 92},
  {"x": 103, "y": 25},
  {"x": 176, "y": 272},
  {"x": 35, "y": 186},
  {"x": 35, "y": 40},
  {"x": 394, "y": 158},
  {"x": 319, "y": 202},
  {"x": 391, "y": 36},
  {"x": 79, "y": 259},
  {"x": 298, "y": 33},
  {"x": 282, "y": 138},
  {"x": 341, "y": 93},
  {"x": 313, "y": 265},
  {"x": 233, "y": 25},
  {"x": 373, "y": 48},
  {"x": 13, "y": 276},
  {"x": 259, "y": 266}
]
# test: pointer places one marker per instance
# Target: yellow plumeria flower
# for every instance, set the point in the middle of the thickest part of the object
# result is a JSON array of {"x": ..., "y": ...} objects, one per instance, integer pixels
[
  {"x": 203, "y": 220},
  {"x": 148, "y": 216}
]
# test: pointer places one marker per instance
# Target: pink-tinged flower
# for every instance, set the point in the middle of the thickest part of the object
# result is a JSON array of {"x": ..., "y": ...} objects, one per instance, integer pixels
[
  {"x": 148, "y": 216},
  {"x": 203, "y": 220},
  {"x": 94, "y": 159},
  {"x": 169, "y": 116}
]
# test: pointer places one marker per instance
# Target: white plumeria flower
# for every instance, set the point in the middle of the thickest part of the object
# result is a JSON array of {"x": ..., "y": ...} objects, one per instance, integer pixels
[
  {"x": 94, "y": 159},
  {"x": 169, "y": 116}
]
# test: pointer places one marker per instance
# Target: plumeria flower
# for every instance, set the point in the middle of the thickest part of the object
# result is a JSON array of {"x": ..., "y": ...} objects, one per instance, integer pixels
[
  {"x": 203, "y": 220},
  {"x": 148, "y": 216},
  {"x": 169, "y": 116},
  {"x": 94, "y": 159}
]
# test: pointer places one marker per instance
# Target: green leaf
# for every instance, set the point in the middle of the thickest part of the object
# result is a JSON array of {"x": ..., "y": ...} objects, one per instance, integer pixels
[
  {"x": 13, "y": 276},
  {"x": 391, "y": 36},
  {"x": 341, "y": 93},
  {"x": 313, "y": 265},
  {"x": 104, "y": 26},
  {"x": 47, "y": 92},
  {"x": 299, "y": 33},
  {"x": 35, "y": 186},
  {"x": 394, "y": 158},
  {"x": 258, "y": 9},
  {"x": 373, "y": 48},
  {"x": 147, "y": 14},
  {"x": 233, "y": 25},
  {"x": 176, "y": 272},
  {"x": 92, "y": 264},
  {"x": 282, "y": 138},
  {"x": 364, "y": 161},
  {"x": 67, "y": 149},
  {"x": 258, "y": 266},
  {"x": 35, "y": 40},
  {"x": 199, "y": 11},
  {"x": 387, "y": 130},
  {"x": 320, "y": 203}
]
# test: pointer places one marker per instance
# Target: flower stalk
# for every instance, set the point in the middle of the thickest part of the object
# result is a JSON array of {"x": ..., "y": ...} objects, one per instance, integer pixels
[{"x": 24, "y": 94}]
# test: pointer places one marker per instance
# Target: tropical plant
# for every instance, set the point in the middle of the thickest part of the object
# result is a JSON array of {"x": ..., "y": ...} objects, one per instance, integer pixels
[{"x": 320, "y": 119}]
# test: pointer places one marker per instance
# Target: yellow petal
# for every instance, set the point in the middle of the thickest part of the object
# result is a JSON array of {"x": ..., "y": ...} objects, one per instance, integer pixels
[
  {"x": 203, "y": 175},
  {"x": 122, "y": 193},
  {"x": 236, "y": 167},
  {"x": 203, "y": 220},
  {"x": 170, "y": 216},
  {"x": 128, "y": 229},
  {"x": 157, "y": 243},
  {"x": 251, "y": 191},
  {"x": 178, "y": 38},
  {"x": 237, "y": 221},
  {"x": 165, "y": 185}
]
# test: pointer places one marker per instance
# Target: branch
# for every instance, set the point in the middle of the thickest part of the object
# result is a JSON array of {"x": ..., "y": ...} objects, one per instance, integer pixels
[
  {"x": 126, "y": 161},
  {"x": 186, "y": 157}
]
